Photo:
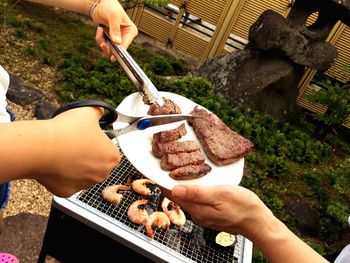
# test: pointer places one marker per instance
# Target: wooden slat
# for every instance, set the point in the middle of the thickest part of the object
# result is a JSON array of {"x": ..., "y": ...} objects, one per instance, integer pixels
[
  {"x": 312, "y": 19},
  {"x": 316, "y": 107},
  {"x": 341, "y": 68},
  {"x": 155, "y": 26},
  {"x": 250, "y": 12},
  {"x": 178, "y": 3},
  {"x": 209, "y": 10},
  {"x": 304, "y": 102},
  {"x": 347, "y": 123},
  {"x": 190, "y": 43}
]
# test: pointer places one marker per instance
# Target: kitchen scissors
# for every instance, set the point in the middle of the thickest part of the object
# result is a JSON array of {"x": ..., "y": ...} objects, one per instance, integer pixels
[
  {"x": 145, "y": 87},
  {"x": 133, "y": 123}
]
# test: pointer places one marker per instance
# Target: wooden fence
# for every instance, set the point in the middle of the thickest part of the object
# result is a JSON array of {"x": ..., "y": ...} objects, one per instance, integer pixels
[{"x": 208, "y": 28}]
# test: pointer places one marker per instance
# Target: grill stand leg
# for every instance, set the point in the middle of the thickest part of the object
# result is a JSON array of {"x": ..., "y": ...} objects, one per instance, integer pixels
[{"x": 69, "y": 240}]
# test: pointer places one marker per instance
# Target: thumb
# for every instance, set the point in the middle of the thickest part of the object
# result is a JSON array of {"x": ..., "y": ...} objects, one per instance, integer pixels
[
  {"x": 192, "y": 193},
  {"x": 114, "y": 31}
]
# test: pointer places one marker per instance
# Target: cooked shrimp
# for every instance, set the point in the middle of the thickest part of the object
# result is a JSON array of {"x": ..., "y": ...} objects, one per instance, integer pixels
[
  {"x": 175, "y": 214},
  {"x": 140, "y": 186},
  {"x": 111, "y": 195},
  {"x": 158, "y": 219},
  {"x": 137, "y": 215}
]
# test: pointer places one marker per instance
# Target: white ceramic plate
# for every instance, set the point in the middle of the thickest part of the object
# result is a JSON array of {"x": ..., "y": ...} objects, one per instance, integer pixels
[{"x": 137, "y": 146}]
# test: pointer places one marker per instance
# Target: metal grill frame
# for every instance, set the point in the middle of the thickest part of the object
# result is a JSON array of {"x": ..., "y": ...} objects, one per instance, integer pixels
[{"x": 132, "y": 237}]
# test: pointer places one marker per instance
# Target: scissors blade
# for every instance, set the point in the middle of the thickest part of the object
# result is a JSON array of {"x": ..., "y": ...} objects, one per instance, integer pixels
[
  {"x": 147, "y": 122},
  {"x": 156, "y": 120}
]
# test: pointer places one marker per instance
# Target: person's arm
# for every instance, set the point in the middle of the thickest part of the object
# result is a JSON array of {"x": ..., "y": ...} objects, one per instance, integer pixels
[
  {"x": 237, "y": 210},
  {"x": 65, "y": 154},
  {"x": 107, "y": 12}
]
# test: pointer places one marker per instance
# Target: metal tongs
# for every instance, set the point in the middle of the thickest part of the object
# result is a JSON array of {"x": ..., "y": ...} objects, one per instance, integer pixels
[{"x": 133, "y": 71}]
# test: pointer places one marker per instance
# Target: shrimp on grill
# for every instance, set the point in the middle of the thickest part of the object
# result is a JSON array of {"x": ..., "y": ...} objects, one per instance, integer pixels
[
  {"x": 137, "y": 215},
  {"x": 158, "y": 219},
  {"x": 140, "y": 186},
  {"x": 111, "y": 195},
  {"x": 175, "y": 214}
]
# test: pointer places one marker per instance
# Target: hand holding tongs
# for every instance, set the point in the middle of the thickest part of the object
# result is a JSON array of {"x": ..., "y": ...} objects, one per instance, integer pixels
[
  {"x": 133, "y": 123},
  {"x": 133, "y": 70}
]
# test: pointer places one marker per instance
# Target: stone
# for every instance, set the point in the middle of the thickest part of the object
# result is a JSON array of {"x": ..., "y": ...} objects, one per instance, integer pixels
[
  {"x": 272, "y": 32},
  {"x": 248, "y": 79},
  {"x": 22, "y": 94},
  {"x": 44, "y": 110},
  {"x": 265, "y": 76}
]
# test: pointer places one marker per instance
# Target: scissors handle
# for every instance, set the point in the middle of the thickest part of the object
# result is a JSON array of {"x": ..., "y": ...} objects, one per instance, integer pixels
[{"x": 106, "y": 120}]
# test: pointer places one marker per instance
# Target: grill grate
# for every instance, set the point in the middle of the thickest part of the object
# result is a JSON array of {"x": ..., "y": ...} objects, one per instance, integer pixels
[{"x": 190, "y": 242}]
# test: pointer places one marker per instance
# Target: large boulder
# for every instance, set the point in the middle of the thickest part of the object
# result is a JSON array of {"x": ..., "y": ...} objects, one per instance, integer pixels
[
  {"x": 266, "y": 75},
  {"x": 21, "y": 93},
  {"x": 24, "y": 94},
  {"x": 251, "y": 79},
  {"x": 272, "y": 32}
]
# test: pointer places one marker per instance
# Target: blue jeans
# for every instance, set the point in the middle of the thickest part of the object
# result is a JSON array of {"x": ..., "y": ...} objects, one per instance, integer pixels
[{"x": 5, "y": 188}]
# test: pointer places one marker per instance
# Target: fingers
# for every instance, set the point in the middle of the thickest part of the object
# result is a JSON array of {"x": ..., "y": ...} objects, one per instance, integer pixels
[
  {"x": 114, "y": 31},
  {"x": 103, "y": 45},
  {"x": 166, "y": 192},
  {"x": 99, "y": 36},
  {"x": 192, "y": 193},
  {"x": 129, "y": 32}
]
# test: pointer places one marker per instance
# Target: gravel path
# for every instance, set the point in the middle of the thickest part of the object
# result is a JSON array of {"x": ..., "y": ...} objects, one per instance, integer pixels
[{"x": 27, "y": 196}]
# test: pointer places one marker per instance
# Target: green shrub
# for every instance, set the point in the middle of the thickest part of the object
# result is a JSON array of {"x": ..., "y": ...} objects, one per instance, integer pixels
[
  {"x": 336, "y": 97},
  {"x": 317, "y": 247},
  {"x": 19, "y": 33},
  {"x": 259, "y": 257}
]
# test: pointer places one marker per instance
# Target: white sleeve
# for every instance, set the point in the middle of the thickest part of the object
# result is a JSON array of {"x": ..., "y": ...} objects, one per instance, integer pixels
[
  {"x": 4, "y": 84},
  {"x": 344, "y": 256}
]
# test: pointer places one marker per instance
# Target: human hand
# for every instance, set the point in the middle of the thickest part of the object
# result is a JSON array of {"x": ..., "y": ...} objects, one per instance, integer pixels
[
  {"x": 232, "y": 209},
  {"x": 121, "y": 29},
  {"x": 79, "y": 153},
  {"x": 237, "y": 210}
]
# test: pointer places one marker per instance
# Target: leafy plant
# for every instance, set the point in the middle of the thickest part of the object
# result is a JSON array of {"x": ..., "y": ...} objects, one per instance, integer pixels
[
  {"x": 132, "y": 3},
  {"x": 336, "y": 97}
]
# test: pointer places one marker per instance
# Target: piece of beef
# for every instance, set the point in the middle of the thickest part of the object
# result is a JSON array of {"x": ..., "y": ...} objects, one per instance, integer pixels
[
  {"x": 170, "y": 135},
  {"x": 146, "y": 101},
  {"x": 221, "y": 144},
  {"x": 169, "y": 107},
  {"x": 171, "y": 161},
  {"x": 160, "y": 149},
  {"x": 190, "y": 172}
]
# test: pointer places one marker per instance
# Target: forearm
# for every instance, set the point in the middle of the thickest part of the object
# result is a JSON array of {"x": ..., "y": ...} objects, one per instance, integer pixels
[
  {"x": 24, "y": 149},
  {"x": 79, "y": 6},
  {"x": 279, "y": 244}
]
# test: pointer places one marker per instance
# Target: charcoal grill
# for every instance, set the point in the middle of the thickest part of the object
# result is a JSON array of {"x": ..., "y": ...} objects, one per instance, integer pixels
[{"x": 115, "y": 233}]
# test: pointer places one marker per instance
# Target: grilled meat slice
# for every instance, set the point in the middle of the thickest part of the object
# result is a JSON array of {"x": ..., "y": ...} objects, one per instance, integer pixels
[
  {"x": 221, "y": 144},
  {"x": 171, "y": 161},
  {"x": 169, "y": 107},
  {"x": 160, "y": 149},
  {"x": 190, "y": 172},
  {"x": 170, "y": 135}
]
